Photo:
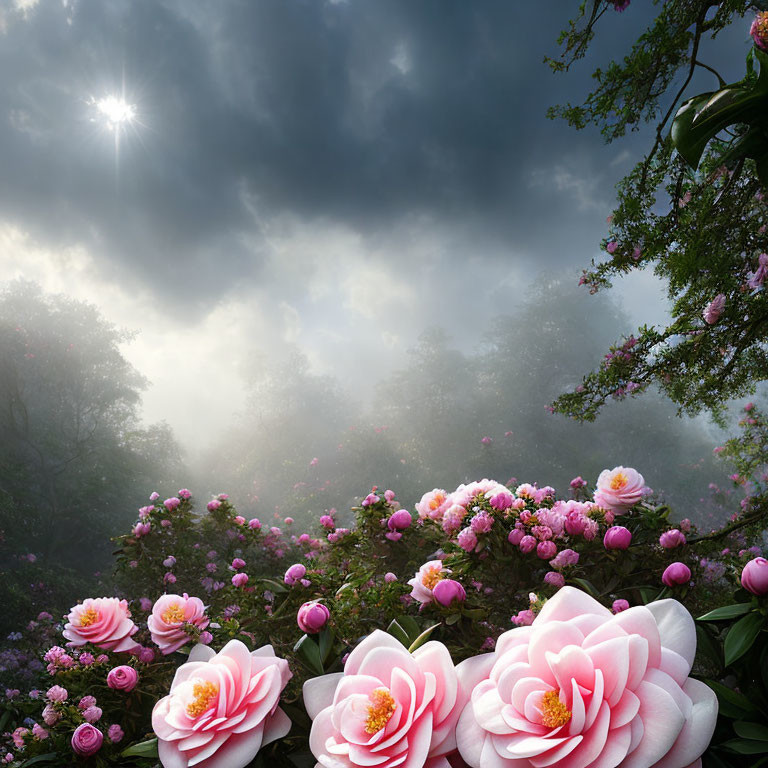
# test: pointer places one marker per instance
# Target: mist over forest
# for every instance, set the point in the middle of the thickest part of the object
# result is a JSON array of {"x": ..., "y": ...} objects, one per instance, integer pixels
[{"x": 78, "y": 459}]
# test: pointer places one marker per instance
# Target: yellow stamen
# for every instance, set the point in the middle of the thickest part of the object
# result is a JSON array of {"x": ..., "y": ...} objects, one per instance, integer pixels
[
  {"x": 174, "y": 614},
  {"x": 205, "y": 696},
  {"x": 88, "y": 617},
  {"x": 432, "y": 576},
  {"x": 553, "y": 712},
  {"x": 438, "y": 499},
  {"x": 381, "y": 709},
  {"x": 618, "y": 481}
]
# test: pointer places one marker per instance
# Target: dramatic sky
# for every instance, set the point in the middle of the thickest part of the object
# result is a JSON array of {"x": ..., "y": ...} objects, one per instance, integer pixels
[{"x": 333, "y": 175}]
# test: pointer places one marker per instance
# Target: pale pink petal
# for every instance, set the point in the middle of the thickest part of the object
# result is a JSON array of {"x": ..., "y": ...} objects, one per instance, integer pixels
[
  {"x": 200, "y": 652},
  {"x": 612, "y": 657},
  {"x": 169, "y": 755},
  {"x": 276, "y": 726},
  {"x": 698, "y": 729},
  {"x": 470, "y": 738},
  {"x": 593, "y": 742},
  {"x": 662, "y": 721},
  {"x": 434, "y": 657},
  {"x": 625, "y": 711},
  {"x": 569, "y": 603},
  {"x": 638, "y": 620},
  {"x": 674, "y": 665},
  {"x": 318, "y": 692},
  {"x": 676, "y": 628}
]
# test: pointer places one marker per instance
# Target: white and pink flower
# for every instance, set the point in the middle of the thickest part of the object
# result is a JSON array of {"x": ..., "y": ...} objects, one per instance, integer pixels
[
  {"x": 584, "y": 687},
  {"x": 170, "y": 615},
  {"x": 389, "y": 707},
  {"x": 222, "y": 707},
  {"x": 101, "y": 621},
  {"x": 619, "y": 489},
  {"x": 425, "y": 580},
  {"x": 433, "y": 504}
]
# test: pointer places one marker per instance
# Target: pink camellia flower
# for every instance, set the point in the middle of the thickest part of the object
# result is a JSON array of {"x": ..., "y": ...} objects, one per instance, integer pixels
[
  {"x": 212, "y": 506},
  {"x": 50, "y": 715},
  {"x": 154, "y": 496},
  {"x": 578, "y": 482},
  {"x": 467, "y": 539},
  {"x": 482, "y": 522},
  {"x": 554, "y": 579},
  {"x": 170, "y": 614},
  {"x": 486, "y": 440},
  {"x": 754, "y": 576},
  {"x": 115, "y": 733},
  {"x": 676, "y": 575},
  {"x": 516, "y": 536},
  {"x": 583, "y": 687},
  {"x": 447, "y": 591},
  {"x": 433, "y": 504},
  {"x": 564, "y": 558},
  {"x": 617, "y": 537},
  {"x": 222, "y": 707},
  {"x": 527, "y": 544},
  {"x": 239, "y": 520},
  {"x": 388, "y": 707},
  {"x": 425, "y": 580},
  {"x": 671, "y": 539},
  {"x": 254, "y": 524},
  {"x": 102, "y": 621},
  {"x": 87, "y": 740},
  {"x": 312, "y": 617},
  {"x": 172, "y": 503},
  {"x": 86, "y": 701},
  {"x": 619, "y": 489},
  {"x": 389, "y": 577},
  {"x": 92, "y": 714},
  {"x": 56, "y": 693},
  {"x": 122, "y": 678},
  {"x": 714, "y": 309},
  {"x": 759, "y": 30}
]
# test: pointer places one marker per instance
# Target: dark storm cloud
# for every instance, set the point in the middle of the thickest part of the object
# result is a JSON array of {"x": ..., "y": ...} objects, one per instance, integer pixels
[{"x": 364, "y": 113}]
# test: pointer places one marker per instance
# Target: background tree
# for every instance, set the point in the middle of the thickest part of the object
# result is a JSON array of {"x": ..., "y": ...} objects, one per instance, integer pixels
[{"x": 693, "y": 208}]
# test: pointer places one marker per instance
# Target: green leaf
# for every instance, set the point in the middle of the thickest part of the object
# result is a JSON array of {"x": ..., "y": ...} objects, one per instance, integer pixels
[
  {"x": 755, "y": 731},
  {"x": 707, "y": 645},
  {"x": 726, "y": 612},
  {"x": 274, "y": 586},
  {"x": 326, "y": 638},
  {"x": 411, "y": 626},
  {"x": 46, "y": 758},
  {"x": 732, "y": 704},
  {"x": 4, "y": 718},
  {"x": 142, "y": 749},
  {"x": 398, "y": 632},
  {"x": 423, "y": 637},
  {"x": 741, "y": 636},
  {"x": 308, "y": 652},
  {"x": 682, "y": 134},
  {"x": 746, "y": 747}
]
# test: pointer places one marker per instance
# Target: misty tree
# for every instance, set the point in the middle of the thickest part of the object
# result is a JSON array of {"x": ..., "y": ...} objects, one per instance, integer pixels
[
  {"x": 74, "y": 459},
  {"x": 694, "y": 208}
]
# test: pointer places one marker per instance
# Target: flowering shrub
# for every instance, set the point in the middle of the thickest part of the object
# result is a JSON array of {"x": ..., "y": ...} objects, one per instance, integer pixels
[{"x": 497, "y": 624}]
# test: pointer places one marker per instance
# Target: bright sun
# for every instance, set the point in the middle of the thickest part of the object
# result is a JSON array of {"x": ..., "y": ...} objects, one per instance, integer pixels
[{"x": 115, "y": 111}]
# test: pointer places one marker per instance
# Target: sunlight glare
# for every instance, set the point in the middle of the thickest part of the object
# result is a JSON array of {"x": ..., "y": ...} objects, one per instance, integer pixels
[{"x": 114, "y": 111}]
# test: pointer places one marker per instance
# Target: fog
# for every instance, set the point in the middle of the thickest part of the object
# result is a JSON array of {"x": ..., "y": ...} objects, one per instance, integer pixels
[{"x": 340, "y": 231}]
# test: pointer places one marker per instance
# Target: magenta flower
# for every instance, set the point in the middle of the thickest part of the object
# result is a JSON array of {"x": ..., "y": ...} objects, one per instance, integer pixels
[
  {"x": 714, "y": 309},
  {"x": 172, "y": 503},
  {"x": 312, "y": 617},
  {"x": 57, "y": 693},
  {"x": 676, "y": 575},
  {"x": 583, "y": 687},
  {"x": 400, "y": 520},
  {"x": 87, "y": 740},
  {"x": 546, "y": 550},
  {"x": 115, "y": 733},
  {"x": 295, "y": 574},
  {"x": 754, "y": 576},
  {"x": 122, "y": 678},
  {"x": 619, "y": 605},
  {"x": 448, "y": 591},
  {"x": 240, "y": 579},
  {"x": 254, "y": 524},
  {"x": 425, "y": 580},
  {"x": 467, "y": 539},
  {"x": 554, "y": 579},
  {"x": 617, "y": 537},
  {"x": 672, "y": 538}
]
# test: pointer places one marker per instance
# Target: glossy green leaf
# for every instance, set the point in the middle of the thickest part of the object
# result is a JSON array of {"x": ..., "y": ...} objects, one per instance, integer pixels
[
  {"x": 741, "y": 636},
  {"x": 726, "y": 612},
  {"x": 142, "y": 749},
  {"x": 746, "y": 746},
  {"x": 732, "y": 704},
  {"x": 308, "y": 652},
  {"x": 423, "y": 637},
  {"x": 397, "y": 631},
  {"x": 754, "y": 731}
]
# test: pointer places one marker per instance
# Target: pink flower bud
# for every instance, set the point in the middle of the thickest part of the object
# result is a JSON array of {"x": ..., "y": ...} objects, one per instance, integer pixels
[
  {"x": 448, "y": 591},
  {"x": 254, "y": 524},
  {"x": 390, "y": 577},
  {"x": 240, "y": 579},
  {"x": 238, "y": 563},
  {"x": 399, "y": 520},
  {"x": 754, "y": 576},
  {"x": 676, "y": 574},
  {"x": 115, "y": 733},
  {"x": 516, "y": 536},
  {"x": 555, "y": 579},
  {"x": 92, "y": 714},
  {"x": 86, "y": 740},
  {"x": 546, "y": 550},
  {"x": 617, "y": 537},
  {"x": 527, "y": 544},
  {"x": 213, "y": 505},
  {"x": 672, "y": 539},
  {"x": 295, "y": 573},
  {"x": 57, "y": 693},
  {"x": 122, "y": 678},
  {"x": 467, "y": 540},
  {"x": 312, "y": 617},
  {"x": 327, "y": 521},
  {"x": 239, "y": 519},
  {"x": 619, "y": 606},
  {"x": 205, "y": 637}
]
